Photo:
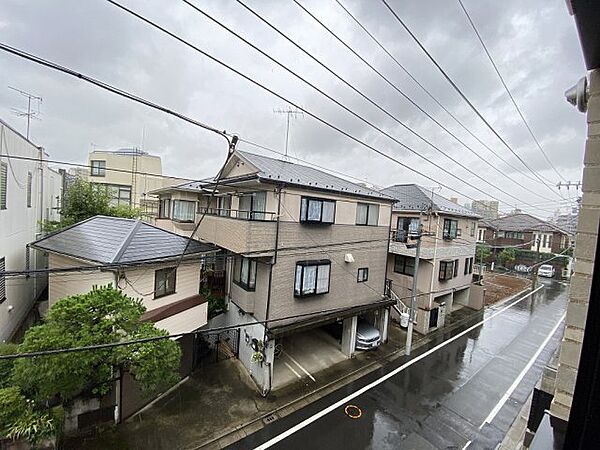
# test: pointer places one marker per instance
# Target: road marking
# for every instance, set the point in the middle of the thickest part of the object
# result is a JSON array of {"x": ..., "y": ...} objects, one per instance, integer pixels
[
  {"x": 466, "y": 446},
  {"x": 298, "y": 364},
  {"x": 386, "y": 377},
  {"x": 518, "y": 380},
  {"x": 292, "y": 369}
]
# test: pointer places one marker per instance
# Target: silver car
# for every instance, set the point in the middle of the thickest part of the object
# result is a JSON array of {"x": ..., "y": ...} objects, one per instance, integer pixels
[{"x": 367, "y": 336}]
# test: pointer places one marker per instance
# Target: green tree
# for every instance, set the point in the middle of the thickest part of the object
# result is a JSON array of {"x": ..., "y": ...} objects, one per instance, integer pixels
[
  {"x": 507, "y": 255},
  {"x": 102, "y": 316},
  {"x": 482, "y": 252},
  {"x": 83, "y": 200}
]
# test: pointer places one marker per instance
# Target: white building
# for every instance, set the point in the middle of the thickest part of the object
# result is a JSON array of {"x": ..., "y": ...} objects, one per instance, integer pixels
[{"x": 30, "y": 192}]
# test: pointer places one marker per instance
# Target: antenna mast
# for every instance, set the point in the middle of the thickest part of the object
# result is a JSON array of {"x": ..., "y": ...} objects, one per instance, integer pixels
[
  {"x": 29, "y": 114},
  {"x": 289, "y": 112}
]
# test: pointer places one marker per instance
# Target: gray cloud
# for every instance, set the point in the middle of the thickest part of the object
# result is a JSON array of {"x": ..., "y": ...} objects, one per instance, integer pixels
[{"x": 533, "y": 43}]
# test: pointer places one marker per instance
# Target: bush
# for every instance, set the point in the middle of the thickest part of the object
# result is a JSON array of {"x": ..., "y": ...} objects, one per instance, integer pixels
[
  {"x": 12, "y": 405},
  {"x": 6, "y": 365}
]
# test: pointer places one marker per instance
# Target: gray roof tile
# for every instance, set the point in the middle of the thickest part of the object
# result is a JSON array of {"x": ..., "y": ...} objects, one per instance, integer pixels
[
  {"x": 114, "y": 240},
  {"x": 412, "y": 197},
  {"x": 523, "y": 222}
]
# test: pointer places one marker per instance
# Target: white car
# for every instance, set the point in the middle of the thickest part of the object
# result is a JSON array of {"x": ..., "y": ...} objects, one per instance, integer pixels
[{"x": 546, "y": 270}]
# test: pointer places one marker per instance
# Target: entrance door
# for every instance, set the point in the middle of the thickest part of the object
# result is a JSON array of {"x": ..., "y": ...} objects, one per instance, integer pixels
[{"x": 433, "y": 317}]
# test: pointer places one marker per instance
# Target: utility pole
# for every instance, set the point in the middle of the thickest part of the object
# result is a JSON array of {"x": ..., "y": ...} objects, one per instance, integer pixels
[
  {"x": 29, "y": 114},
  {"x": 289, "y": 113},
  {"x": 413, "y": 297},
  {"x": 535, "y": 267}
]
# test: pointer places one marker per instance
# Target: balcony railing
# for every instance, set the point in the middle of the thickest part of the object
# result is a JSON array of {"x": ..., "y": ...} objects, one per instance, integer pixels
[
  {"x": 402, "y": 236},
  {"x": 265, "y": 216}
]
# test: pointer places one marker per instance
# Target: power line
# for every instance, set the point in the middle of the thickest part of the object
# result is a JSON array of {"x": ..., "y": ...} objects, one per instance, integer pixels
[
  {"x": 512, "y": 99},
  {"x": 359, "y": 92},
  {"x": 430, "y": 95},
  {"x": 281, "y": 97},
  {"x": 463, "y": 96}
]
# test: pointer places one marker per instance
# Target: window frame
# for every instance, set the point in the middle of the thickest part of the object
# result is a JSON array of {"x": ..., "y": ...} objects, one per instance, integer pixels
[
  {"x": 161, "y": 208},
  {"x": 168, "y": 271},
  {"x": 304, "y": 217},
  {"x": 446, "y": 266},
  {"x": 369, "y": 206},
  {"x": 447, "y": 231},
  {"x": 365, "y": 275},
  {"x": 403, "y": 270},
  {"x": 2, "y": 280},
  {"x": 402, "y": 234},
  {"x": 3, "y": 186},
  {"x": 252, "y": 214},
  {"x": 29, "y": 188},
  {"x": 455, "y": 271},
  {"x": 98, "y": 170},
  {"x": 311, "y": 263},
  {"x": 249, "y": 283}
]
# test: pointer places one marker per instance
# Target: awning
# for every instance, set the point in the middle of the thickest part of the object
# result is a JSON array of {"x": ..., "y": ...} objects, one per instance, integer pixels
[
  {"x": 181, "y": 316},
  {"x": 328, "y": 317}
]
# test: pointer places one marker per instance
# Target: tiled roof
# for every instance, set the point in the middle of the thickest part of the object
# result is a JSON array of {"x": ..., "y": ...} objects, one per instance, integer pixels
[
  {"x": 414, "y": 198},
  {"x": 271, "y": 169},
  {"x": 523, "y": 222},
  {"x": 113, "y": 240}
]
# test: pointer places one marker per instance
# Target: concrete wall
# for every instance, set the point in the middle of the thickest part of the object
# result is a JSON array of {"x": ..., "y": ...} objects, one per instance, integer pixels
[
  {"x": 19, "y": 224},
  {"x": 586, "y": 240}
]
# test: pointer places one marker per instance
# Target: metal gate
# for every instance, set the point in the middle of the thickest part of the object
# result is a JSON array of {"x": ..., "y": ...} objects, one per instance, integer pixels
[{"x": 214, "y": 347}]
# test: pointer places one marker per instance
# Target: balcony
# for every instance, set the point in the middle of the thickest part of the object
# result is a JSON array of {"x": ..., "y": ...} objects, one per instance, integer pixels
[
  {"x": 444, "y": 249},
  {"x": 238, "y": 231}
]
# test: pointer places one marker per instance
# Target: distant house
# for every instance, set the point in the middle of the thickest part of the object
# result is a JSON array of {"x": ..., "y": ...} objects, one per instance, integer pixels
[
  {"x": 30, "y": 192},
  {"x": 445, "y": 272},
  {"x": 142, "y": 263},
  {"x": 524, "y": 231}
]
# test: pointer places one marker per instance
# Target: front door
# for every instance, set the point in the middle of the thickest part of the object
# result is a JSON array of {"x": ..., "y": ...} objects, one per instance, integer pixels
[{"x": 433, "y": 317}]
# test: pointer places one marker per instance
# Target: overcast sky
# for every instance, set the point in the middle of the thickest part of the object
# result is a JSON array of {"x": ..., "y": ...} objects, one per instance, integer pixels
[{"x": 534, "y": 44}]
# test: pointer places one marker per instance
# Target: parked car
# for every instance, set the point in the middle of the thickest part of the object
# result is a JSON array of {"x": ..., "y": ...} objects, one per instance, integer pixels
[
  {"x": 367, "y": 336},
  {"x": 546, "y": 270},
  {"x": 522, "y": 268}
]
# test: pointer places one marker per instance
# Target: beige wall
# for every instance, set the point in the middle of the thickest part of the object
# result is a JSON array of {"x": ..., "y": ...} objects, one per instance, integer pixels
[
  {"x": 585, "y": 248},
  {"x": 144, "y": 183},
  {"x": 142, "y": 279},
  {"x": 62, "y": 285}
]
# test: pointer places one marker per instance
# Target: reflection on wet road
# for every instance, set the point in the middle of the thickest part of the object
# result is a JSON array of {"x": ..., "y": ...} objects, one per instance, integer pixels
[{"x": 463, "y": 394}]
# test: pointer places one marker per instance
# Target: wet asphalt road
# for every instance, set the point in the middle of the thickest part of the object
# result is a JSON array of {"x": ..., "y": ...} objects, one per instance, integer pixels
[{"x": 443, "y": 400}]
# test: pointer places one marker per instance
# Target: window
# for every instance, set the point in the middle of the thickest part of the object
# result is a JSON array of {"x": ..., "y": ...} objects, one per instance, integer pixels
[
  {"x": 29, "y": 181},
  {"x": 450, "y": 228},
  {"x": 224, "y": 204},
  {"x": 123, "y": 195},
  {"x": 315, "y": 210},
  {"x": 2, "y": 280},
  {"x": 164, "y": 281},
  {"x": 312, "y": 278},
  {"x": 244, "y": 273},
  {"x": 473, "y": 226},
  {"x": 363, "y": 275},
  {"x": 164, "y": 208},
  {"x": 98, "y": 168},
  {"x": 481, "y": 234},
  {"x": 446, "y": 270},
  {"x": 404, "y": 265},
  {"x": 468, "y": 266},
  {"x": 252, "y": 206},
  {"x": 367, "y": 214},
  {"x": 406, "y": 226},
  {"x": 3, "y": 184},
  {"x": 455, "y": 268},
  {"x": 513, "y": 235},
  {"x": 184, "y": 210}
]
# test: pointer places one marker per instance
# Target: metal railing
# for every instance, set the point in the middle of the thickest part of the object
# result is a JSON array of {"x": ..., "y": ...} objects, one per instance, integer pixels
[{"x": 238, "y": 214}]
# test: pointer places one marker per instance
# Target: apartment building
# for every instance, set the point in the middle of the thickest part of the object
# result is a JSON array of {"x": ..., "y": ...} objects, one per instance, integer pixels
[
  {"x": 128, "y": 182},
  {"x": 309, "y": 249},
  {"x": 525, "y": 231},
  {"x": 447, "y": 254},
  {"x": 30, "y": 192},
  {"x": 487, "y": 209}
]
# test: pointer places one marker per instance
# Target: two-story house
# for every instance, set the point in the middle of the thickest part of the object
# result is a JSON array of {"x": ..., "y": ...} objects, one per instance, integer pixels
[
  {"x": 30, "y": 192},
  {"x": 524, "y": 231},
  {"x": 447, "y": 254},
  {"x": 309, "y": 249}
]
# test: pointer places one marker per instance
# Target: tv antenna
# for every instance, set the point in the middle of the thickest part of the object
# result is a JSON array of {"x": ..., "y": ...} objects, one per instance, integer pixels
[
  {"x": 289, "y": 112},
  {"x": 29, "y": 114}
]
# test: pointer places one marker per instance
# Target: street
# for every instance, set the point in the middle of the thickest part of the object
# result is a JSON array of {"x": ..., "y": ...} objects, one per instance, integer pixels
[{"x": 461, "y": 391}]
